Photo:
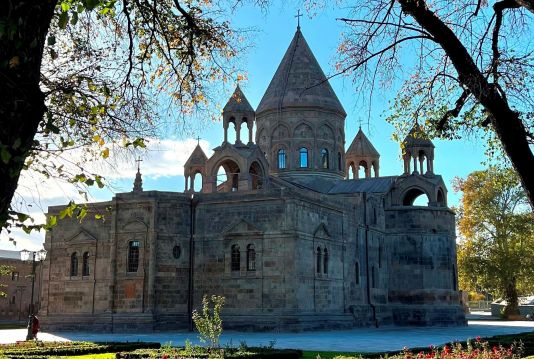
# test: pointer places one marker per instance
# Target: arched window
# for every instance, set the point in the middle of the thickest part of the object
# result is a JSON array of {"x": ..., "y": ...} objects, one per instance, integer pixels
[
  {"x": 282, "y": 159},
  {"x": 324, "y": 158},
  {"x": 318, "y": 264},
  {"x": 85, "y": 264},
  {"x": 339, "y": 164},
  {"x": 133, "y": 256},
  {"x": 73, "y": 264},
  {"x": 236, "y": 258},
  {"x": 325, "y": 261},
  {"x": 251, "y": 258},
  {"x": 303, "y": 156}
]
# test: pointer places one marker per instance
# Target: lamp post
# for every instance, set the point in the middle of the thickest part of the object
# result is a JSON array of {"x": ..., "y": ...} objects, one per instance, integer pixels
[{"x": 26, "y": 256}]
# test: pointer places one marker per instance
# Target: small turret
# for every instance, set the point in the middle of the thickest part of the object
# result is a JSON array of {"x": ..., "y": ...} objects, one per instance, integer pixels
[
  {"x": 417, "y": 146},
  {"x": 238, "y": 111},
  {"x": 196, "y": 163},
  {"x": 362, "y": 153}
]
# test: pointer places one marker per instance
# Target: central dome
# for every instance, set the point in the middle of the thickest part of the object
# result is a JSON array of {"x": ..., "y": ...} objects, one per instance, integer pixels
[
  {"x": 299, "y": 81},
  {"x": 300, "y": 121}
]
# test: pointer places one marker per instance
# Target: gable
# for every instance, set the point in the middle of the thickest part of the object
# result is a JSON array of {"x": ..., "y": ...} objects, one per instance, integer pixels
[
  {"x": 321, "y": 232},
  {"x": 81, "y": 237},
  {"x": 241, "y": 226}
]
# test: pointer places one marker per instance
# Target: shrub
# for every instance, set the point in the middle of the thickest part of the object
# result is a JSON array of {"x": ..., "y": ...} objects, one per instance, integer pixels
[{"x": 209, "y": 323}]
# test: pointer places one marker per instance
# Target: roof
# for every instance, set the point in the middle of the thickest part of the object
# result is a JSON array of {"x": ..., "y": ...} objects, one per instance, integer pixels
[
  {"x": 367, "y": 185},
  {"x": 198, "y": 157},
  {"x": 333, "y": 186},
  {"x": 417, "y": 137},
  {"x": 9, "y": 254},
  {"x": 362, "y": 147},
  {"x": 299, "y": 81},
  {"x": 238, "y": 102}
]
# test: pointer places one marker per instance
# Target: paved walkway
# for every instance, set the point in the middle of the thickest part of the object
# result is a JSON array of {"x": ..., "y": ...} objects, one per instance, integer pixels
[{"x": 363, "y": 340}]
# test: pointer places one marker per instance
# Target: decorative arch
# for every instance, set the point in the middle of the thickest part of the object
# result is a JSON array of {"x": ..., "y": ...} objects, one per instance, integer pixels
[
  {"x": 257, "y": 175},
  {"x": 303, "y": 130},
  {"x": 326, "y": 133},
  {"x": 410, "y": 196},
  {"x": 232, "y": 171},
  {"x": 262, "y": 140},
  {"x": 281, "y": 132},
  {"x": 440, "y": 198}
]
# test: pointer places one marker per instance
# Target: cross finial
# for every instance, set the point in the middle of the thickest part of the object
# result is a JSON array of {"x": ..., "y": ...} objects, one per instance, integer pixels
[
  {"x": 138, "y": 160},
  {"x": 198, "y": 140},
  {"x": 298, "y": 19}
]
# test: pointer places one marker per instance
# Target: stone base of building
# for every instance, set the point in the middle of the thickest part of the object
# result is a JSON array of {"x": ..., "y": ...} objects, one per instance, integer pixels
[{"x": 356, "y": 316}]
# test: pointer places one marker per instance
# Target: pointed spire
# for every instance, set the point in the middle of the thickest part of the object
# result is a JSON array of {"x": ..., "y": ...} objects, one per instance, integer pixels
[
  {"x": 238, "y": 102},
  {"x": 361, "y": 146},
  {"x": 299, "y": 81},
  {"x": 198, "y": 157},
  {"x": 138, "y": 183},
  {"x": 417, "y": 137}
]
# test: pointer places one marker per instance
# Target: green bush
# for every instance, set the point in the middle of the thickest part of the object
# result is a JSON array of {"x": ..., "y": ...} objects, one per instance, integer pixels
[{"x": 37, "y": 350}]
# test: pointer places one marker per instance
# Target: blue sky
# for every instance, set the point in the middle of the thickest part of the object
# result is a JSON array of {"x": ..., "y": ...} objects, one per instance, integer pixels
[{"x": 163, "y": 163}]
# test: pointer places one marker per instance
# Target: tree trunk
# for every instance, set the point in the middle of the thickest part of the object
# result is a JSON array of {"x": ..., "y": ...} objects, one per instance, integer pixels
[
  {"x": 506, "y": 122},
  {"x": 21, "y": 101},
  {"x": 512, "y": 304}
]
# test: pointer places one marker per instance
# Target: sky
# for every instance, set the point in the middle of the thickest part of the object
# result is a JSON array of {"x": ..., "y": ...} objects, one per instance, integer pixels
[{"x": 162, "y": 165}]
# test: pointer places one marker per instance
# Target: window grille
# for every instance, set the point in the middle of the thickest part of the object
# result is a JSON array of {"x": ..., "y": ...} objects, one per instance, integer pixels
[
  {"x": 85, "y": 264},
  {"x": 236, "y": 258},
  {"x": 73, "y": 265},
  {"x": 251, "y": 258},
  {"x": 133, "y": 256}
]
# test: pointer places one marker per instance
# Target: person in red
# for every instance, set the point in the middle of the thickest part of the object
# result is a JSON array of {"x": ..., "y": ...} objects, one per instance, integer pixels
[{"x": 35, "y": 327}]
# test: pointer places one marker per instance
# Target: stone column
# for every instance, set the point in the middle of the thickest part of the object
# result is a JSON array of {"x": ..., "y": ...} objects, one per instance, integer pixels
[
  {"x": 186, "y": 183},
  {"x": 225, "y": 127},
  {"x": 415, "y": 165},
  {"x": 238, "y": 131},
  {"x": 250, "y": 125},
  {"x": 193, "y": 183},
  {"x": 421, "y": 160}
]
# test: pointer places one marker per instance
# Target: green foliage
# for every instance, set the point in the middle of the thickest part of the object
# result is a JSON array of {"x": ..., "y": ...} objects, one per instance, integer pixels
[
  {"x": 4, "y": 271},
  {"x": 37, "y": 349},
  {"x": 209, "y": 322},
  {"x": 108, "y": 94},
  {"x": 497, "y": 227}
]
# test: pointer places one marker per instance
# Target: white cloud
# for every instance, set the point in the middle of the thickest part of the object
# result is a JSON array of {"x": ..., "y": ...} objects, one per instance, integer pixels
[{"x": 35, "y": 192}]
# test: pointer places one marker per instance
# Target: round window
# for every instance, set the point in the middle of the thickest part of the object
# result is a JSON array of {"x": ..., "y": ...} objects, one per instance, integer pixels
[{"x": 176, "y": 251}]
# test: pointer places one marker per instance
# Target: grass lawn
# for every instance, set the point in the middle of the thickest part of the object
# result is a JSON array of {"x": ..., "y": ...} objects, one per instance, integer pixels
[{"x": 96, "y": 356}]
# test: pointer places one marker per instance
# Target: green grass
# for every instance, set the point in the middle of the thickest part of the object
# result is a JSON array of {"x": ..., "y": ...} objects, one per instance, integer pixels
[{"x": 95, "y": 356}]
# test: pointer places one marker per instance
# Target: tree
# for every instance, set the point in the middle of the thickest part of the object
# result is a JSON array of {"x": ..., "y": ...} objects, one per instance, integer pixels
[
  {"x": 4, "y": 271},
  {"x": 86, "y": 73},
  {"x": 497, "y": 230},
  {"x": 470, "y": 67}
]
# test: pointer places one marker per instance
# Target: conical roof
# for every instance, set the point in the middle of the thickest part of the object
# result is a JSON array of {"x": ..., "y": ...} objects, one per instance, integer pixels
[
  {"x": 198, "y": 157},
  {"x": 417, "y": 138},
  {"x": 238, "y": 102},
  {"x": 299, "y": 81},
  {"x": 362, "y": 147}
]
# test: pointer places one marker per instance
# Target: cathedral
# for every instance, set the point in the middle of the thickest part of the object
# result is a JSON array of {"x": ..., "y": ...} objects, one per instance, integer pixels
[{"x": 283, "y": 227}]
